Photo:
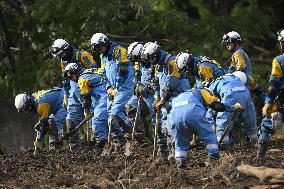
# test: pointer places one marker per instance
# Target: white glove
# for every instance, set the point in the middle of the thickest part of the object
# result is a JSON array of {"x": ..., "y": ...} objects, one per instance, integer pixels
[{"x": 238, "y": 106}]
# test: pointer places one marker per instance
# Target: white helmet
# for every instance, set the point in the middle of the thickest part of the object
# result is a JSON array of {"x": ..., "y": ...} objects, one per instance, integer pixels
[
  {"x": 231, "y": 37},
  {"x": 280, "y": 34},
  {"x": 150, "y": 48},
  {"x": 59, "y": 48},
  {"x": 23, "y": 102},
  {"x": 134, "y": 51},
  {"x": 182, "y": 59},
  {"x": 71, "y": 68},
  {"x": 151, "y": 53},
  {"x": 242, "y": 76},
  {"x": 98, "y": 40}
]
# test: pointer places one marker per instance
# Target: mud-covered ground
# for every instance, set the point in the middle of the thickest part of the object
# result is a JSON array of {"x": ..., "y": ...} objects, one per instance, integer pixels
[{"x": 82, "y": 169}]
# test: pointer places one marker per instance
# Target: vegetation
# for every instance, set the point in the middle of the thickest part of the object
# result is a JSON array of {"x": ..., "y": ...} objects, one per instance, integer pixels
[{"x": 28, "y": 29}]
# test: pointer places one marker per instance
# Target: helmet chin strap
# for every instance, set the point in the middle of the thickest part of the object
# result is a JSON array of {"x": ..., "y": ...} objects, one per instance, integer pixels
[{"x": 281, "y": 46}]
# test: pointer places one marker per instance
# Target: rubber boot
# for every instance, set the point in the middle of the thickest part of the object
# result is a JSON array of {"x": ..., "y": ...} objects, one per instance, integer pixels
[
  {"x": 261, "y": 149},
  {"x": 162, "y": 143},
  {"x": 74, "y": 140},
  {"x": 100, "y": 147},
  {"x": 52, "y": 135}
]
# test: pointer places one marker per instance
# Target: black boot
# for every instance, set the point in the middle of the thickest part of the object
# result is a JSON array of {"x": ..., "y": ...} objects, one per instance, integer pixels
[
  {"x": 74, "y": 141},
  {"x": 100, "y": 147},
  {"x": 261, "y": 149}
]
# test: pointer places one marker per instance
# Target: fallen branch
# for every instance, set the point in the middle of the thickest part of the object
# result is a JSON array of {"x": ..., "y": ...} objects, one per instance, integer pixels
[{"x": 265, "y": 174}]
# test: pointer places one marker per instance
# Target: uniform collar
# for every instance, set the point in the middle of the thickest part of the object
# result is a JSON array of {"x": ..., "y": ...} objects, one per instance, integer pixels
[
  {"x": 110, "y": 51},
  {"x": 237, "y": 49},
  {"x": 162, "y": 57}
]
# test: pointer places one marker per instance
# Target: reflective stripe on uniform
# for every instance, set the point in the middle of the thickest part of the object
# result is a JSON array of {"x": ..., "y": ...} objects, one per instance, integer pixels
[
  {"x": 180, "y": 103},
  {"x": 211, "y": 146},
  {"x": 234, "y": 89},
  {"x": 180, "y": 154}
]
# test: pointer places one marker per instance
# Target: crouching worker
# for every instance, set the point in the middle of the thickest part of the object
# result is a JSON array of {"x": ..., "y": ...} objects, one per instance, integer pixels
[
  {"x": 187, "y": 116},
  {"x": 93, "y": 96},
  {"x": 49, "y": 105}
]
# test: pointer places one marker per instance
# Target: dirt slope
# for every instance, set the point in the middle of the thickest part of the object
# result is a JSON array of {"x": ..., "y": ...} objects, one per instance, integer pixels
[{"x": 138, "y": 170}]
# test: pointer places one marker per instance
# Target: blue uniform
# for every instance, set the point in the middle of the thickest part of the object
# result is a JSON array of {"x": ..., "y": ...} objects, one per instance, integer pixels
[
  {"x": 170, "y": 81},
  {"x": 231, "y": 90},
  {"x": 277, "y": 78},
  {"x": 49, "y": 106},
  {"x": 240, "y": 62},
  {"x": 94, "y": 96},
  {"x": 205, "y": 69},
  {"x": 74, "y": 109},
  {"x": 120, "y": 74},
  {"x": 187, "y": 117}
]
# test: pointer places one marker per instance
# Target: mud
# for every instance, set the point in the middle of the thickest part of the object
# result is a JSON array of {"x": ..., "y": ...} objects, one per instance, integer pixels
[{"x": 136, "y": 169}]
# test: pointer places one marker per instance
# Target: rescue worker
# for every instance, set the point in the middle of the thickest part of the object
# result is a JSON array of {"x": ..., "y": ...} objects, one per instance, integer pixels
[
  {"x": 202, "y": 68},
  {"x": 144, "y": 87},
  {"x": 119, "y": 73},
  {"x": 170, "y": 83},
  {"x": 67, "y": 54},
  {"x": 93, "y": 97},
  {"x": 231, "y": 90},
  {"x": 239, "y": 60},
  {"x": 188, "y": 115},
  {"x": 273, "y": 108},
  {"x": 48, "y": 104}
]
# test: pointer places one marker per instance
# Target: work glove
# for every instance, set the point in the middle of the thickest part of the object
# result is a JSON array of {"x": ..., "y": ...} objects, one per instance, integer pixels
[
  {"x": 87, "y": 115},
  {"x": 38, "y": 144},
  {"x": 266, "y": 108},
  {"x": 158, "y": 105},
  {"x": 238, "y": 106},
  {"x": 65, "y": 101},
  {"x": 111, "y": 92}
]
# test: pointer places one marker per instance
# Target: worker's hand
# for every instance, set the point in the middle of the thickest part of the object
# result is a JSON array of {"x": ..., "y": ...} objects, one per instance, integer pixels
[
  {"x": 266, "y": 108},
  {"x": 65, "y": 101},
  {"x": 38, "y": 144},
  {"x": 114, "y": 91},
  {"x": 158, "y": 105},
  {"x": 87, "y": 115},
  {"x": 238, "y": 106},
  {"x": 111, "y": 92}
]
